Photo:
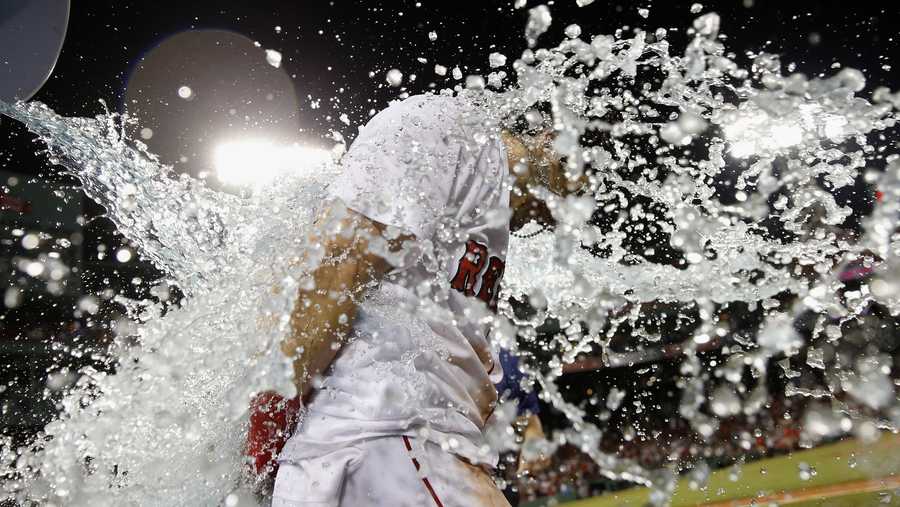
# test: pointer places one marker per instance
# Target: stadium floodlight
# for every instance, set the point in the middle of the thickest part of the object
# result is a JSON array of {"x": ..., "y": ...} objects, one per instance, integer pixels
[{"x": 255, "y": 162}]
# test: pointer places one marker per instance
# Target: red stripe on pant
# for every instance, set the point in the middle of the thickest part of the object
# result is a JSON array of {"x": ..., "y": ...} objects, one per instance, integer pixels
[{"x": 424, "y": 479}]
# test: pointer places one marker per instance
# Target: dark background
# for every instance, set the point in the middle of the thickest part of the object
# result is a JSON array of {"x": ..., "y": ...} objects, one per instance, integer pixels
[
  {"x": 107, "y": 39},
  {"x": 328, "y": 46}
]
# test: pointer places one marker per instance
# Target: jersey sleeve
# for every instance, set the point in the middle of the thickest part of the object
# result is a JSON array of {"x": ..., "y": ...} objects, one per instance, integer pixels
[
  {"x": 510, "y": 387},
  {"x": 401, "y": 168}
]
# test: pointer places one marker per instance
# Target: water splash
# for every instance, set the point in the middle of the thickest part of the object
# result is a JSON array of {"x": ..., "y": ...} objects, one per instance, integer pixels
[
  {"x": 167, "y": 427},
  {"x": 739, "y": 179},
  {"x": 728, "y": 170}
]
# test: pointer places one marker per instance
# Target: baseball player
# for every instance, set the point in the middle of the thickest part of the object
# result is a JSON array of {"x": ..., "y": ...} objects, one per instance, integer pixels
[{"x": 390, "y": 347}]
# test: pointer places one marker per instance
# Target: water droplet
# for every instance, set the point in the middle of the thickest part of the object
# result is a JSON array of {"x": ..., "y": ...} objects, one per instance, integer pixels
[
  {"x": 273, "y": 58},
  {"x": 394, "y": 77}
]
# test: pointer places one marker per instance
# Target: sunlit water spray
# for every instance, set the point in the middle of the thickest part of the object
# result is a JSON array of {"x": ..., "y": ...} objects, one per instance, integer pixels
[{"x": 658, "y": 133}]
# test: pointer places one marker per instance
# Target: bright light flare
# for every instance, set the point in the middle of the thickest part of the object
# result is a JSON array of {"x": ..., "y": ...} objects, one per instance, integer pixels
[
  {"x": 754, "y": 132},
  {"x": 787, "y": 135},
  {"x": 758, "y": 133},
  {"x": 257, "y": 162}
]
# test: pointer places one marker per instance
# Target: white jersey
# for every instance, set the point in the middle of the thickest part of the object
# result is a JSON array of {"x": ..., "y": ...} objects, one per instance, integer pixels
[{"x": 420, "y": 362}]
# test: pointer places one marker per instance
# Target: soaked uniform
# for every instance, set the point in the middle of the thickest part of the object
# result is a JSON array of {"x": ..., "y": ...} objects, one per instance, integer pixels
[{"x": 399, "y": 418}]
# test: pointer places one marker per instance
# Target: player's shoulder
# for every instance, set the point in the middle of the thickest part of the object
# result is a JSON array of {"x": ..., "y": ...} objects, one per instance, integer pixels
[
  {"x": 426, "y": 100},
  {"x": 426, "y": 106}
]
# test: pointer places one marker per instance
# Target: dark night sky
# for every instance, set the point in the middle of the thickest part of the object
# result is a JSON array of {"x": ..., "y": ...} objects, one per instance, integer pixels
[{"x": 329, "y": 45}]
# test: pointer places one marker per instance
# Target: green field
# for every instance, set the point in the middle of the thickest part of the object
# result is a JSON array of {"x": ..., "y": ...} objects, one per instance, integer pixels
[{"x": 847, "y": 473}]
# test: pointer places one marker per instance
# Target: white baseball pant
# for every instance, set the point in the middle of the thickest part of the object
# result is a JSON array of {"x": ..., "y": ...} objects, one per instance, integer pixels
[{"x": 394, "y": 471}]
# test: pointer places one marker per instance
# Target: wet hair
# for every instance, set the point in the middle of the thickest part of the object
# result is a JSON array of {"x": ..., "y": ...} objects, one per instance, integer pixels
[{"x": 519, "y": 125}]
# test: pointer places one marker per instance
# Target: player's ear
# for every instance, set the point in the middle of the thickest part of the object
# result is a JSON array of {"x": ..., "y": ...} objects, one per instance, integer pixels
[
  {"x": 516, "y": 150},
  {"x": 518, "y": 160}
]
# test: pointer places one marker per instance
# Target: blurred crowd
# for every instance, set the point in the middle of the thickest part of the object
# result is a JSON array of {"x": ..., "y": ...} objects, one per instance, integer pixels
[{"x": 571, "y": 473}]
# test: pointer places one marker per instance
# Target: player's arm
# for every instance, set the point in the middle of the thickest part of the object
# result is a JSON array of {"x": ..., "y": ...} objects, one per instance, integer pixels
[{"x": 323, "y": 316}]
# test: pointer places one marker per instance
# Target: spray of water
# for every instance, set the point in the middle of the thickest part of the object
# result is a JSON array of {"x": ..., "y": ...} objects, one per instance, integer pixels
[
  {"x": 730, "y": 170},
  {"x": 171, "y": 416}
]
